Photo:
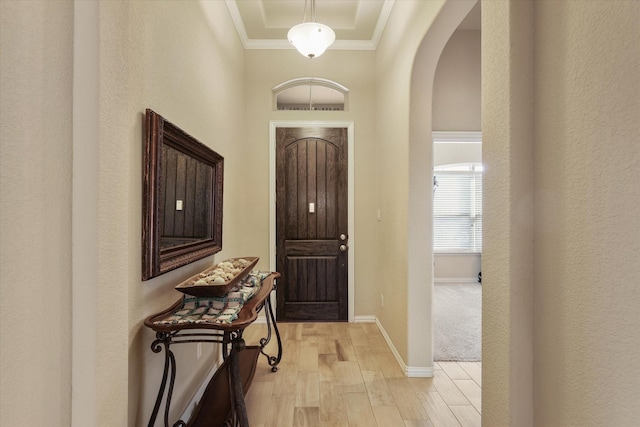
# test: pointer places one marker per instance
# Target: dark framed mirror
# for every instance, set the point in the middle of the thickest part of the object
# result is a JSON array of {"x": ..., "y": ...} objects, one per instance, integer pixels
[{"x": 181, "y": 200}]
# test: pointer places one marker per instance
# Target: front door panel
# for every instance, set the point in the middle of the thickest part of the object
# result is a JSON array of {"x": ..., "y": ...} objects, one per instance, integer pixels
[{"x": 311, "y": 211}]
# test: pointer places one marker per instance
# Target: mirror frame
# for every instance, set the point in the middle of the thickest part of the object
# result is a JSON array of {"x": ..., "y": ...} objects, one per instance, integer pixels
[{"x": 155, "y": 260}]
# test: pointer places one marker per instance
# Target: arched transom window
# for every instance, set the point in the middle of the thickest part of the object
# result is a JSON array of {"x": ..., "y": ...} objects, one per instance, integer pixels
[{"x": 310, "y": 94}]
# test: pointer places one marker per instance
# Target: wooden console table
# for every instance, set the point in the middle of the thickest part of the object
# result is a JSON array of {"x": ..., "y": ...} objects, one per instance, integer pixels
[{"x": 223, "y": 401}]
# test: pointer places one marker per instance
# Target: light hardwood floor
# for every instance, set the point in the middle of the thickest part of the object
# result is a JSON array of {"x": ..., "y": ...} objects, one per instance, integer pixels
[{"x": 344, "y": 374}]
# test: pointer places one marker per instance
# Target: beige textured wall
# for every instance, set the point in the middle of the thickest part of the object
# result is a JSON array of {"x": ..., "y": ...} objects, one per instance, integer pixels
[
  {"x": 587, "y": 257},
  {"x": 456, "y": 87},
  {"x": 456, "y": 267},
  {"x": 393, "y": 85},
  {"x": 560, "y": 316},
  {"x": 168, "y": 57},
  {"x": 420, "y": 208},
  {"x": 507, "y": 258},
  {"x": 404, "y": 79},
  {"x": 187, "y": 65},
  {"x": 354, "y": 69},
  {"x": 35, "y": 212}
]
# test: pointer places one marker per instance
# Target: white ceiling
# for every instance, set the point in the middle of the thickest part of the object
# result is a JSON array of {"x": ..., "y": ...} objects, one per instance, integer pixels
[
  {"x": 358, "y": 24},
  {"x": 263, "y": 24}
]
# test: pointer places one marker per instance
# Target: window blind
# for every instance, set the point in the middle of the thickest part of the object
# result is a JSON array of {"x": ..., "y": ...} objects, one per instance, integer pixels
[{"x": 457, "y": 211}]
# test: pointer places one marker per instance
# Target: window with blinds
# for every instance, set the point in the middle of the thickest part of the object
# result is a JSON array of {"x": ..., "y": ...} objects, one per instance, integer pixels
[{"x": 457, "y": 208}]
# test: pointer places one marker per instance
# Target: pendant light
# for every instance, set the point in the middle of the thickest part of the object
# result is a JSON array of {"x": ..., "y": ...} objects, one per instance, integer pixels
[{"x": 311, "y": 38}]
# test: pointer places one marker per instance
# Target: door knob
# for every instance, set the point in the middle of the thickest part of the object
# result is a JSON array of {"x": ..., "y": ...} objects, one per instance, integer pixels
[{"x": 343, "y": 248}]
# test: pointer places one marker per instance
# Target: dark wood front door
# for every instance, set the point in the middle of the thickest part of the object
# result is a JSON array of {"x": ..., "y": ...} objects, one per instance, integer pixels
[{"x": 311, "y": 224}]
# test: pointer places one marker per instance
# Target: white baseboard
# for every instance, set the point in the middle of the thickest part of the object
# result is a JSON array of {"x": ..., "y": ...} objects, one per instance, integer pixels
[
  {"x": 403, "y": 366},
  {"x": 446, "y": 280},
  {"x": 364, "y": 319},
  {"x": 409, "y": 371},
  {"x": 424, "y": 372}
]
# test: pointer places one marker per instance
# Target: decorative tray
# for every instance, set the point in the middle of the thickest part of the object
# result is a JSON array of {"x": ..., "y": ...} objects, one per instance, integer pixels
[{"x": 218, "y": 280}]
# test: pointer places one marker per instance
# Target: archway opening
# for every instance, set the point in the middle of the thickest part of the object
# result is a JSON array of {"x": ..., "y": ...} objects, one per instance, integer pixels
[{"x": 420, "y": 203}]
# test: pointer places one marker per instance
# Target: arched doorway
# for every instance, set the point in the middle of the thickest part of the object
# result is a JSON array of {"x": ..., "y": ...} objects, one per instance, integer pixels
[{"x": 420, "y": 216}]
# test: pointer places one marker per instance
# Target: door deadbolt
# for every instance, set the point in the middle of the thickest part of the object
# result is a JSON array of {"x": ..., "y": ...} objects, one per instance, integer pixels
[{"x": 343, "y": 237}]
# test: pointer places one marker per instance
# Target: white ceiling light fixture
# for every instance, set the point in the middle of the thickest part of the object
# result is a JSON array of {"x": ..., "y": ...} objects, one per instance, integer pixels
[{"x": 311, "y": 38}]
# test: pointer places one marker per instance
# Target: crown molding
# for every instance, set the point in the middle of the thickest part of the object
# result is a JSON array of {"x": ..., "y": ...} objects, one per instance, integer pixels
[{"x": 281, "y": 44}]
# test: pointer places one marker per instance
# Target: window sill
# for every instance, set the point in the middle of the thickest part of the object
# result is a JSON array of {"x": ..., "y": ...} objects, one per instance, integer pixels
[{"x": 457, "y": 253}]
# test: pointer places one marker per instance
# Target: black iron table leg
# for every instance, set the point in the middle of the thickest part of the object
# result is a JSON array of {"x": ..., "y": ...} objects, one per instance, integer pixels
[
  {"x": 225, "y": 342},
  {"x": 239, "y": 408},
  {"x": 164, "y": 340},
  {"x": 271, "y": 323}
]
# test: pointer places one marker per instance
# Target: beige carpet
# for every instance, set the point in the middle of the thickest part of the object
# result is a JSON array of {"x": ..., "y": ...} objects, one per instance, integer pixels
[{"x": 457, "y": 322}]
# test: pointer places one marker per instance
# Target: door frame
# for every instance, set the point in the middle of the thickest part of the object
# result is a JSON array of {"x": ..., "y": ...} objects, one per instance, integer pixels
[{"x": 273, "y": 124}]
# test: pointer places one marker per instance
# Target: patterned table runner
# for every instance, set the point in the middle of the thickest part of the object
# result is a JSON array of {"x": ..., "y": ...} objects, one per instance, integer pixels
[{"x": 199, "y": 310}]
